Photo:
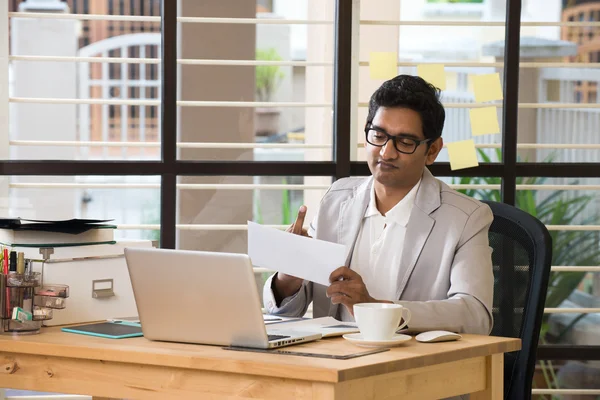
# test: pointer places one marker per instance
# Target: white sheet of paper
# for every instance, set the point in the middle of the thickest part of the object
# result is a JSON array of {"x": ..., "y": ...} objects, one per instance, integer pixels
[
  {"x": 306, "y": 258},
  {"x": 277, "y": 319},
  {"x": 326, "y": 326}
]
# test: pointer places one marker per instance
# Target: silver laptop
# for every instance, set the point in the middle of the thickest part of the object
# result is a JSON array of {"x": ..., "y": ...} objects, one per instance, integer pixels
[{"x": 201, "y": 297}]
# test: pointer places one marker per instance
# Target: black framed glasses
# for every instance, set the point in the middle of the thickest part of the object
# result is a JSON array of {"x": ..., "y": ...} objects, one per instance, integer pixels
[{"x": 378, "y": 137}]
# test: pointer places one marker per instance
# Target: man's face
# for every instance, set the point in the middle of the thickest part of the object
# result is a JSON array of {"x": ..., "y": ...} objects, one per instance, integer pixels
[{"x": 390, "y": 167}]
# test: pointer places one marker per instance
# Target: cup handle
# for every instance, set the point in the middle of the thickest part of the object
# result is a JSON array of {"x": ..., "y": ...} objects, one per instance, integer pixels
[{"x": 405, "y": 320}]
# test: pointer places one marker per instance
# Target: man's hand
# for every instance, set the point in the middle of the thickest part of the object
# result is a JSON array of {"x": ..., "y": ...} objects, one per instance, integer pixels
[
  {"x": 297, "y": 227},
  {"x": 349, "y": 291},
  {"x": 286, "y": 285}
]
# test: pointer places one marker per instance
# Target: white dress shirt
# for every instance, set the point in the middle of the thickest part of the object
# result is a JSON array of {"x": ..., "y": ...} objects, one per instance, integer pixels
[{"x": 378, "y": 249}]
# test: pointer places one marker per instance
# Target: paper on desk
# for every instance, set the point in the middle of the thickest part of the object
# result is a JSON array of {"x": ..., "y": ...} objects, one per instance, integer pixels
[
  {"x": 326, "y": 326},
  {"x": 306, "y": 258},
  {"x": 277, "y": 319}
]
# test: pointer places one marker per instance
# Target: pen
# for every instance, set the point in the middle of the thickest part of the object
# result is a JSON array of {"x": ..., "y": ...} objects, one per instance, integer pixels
[
  {"x": 6, "y": 293},
  {"x": 13, "y": 261},
  {"x": 17, "y": 265},
  {"x": 5, "y": 261},
  {"x": 20, "y": 263}
]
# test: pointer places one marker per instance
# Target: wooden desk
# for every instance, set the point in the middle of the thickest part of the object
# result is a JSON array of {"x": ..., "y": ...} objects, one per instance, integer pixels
[{"x": 55, "y": 361}]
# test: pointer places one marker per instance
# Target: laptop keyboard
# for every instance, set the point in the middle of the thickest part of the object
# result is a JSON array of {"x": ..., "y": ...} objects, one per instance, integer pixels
[{"x": 276, "y": 337}]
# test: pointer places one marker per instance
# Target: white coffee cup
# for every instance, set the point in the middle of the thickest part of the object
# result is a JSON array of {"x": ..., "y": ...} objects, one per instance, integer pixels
[{"x": 379, "y": 321}]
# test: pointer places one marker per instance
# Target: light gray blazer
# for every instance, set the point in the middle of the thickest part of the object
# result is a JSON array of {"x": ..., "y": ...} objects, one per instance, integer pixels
[{"x": 446, "y": 277}]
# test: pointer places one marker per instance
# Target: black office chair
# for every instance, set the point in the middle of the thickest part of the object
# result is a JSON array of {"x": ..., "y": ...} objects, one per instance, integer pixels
[{"x": 522, "y": 258}]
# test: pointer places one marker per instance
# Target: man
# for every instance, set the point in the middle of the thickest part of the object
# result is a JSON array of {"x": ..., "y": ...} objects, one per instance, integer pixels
[{"x": 411, "y": 240}]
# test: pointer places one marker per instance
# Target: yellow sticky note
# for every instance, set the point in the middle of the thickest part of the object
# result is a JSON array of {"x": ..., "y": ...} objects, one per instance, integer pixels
[
  {"x": 434, "y": 74},
  {"x": 462, "y": 154},
  {"x": 484, "y": 121},
  {"x": 487, "y": 87},
  {"x": 383, "y": 65}
]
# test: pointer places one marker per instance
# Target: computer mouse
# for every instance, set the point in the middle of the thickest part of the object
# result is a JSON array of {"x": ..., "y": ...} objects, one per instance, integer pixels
[{"x": 437, "y": 336}]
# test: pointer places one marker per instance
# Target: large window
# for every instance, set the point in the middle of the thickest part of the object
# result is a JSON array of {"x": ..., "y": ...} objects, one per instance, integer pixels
[{"x": 184, "y": 119}]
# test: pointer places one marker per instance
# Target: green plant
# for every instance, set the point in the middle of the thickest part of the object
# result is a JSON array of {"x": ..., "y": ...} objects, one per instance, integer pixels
[
  {"x": 268, "y": 77},
  {"x": 576, "y": 248}
]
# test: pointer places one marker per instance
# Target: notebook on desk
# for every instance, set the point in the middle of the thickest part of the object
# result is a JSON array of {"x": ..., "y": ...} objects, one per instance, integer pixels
[
  {"x": 109, "y": 330},
  {"x": 202, "y": 297}
]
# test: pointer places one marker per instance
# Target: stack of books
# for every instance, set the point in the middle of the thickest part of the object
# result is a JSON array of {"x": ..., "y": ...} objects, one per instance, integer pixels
[{"x": 17, "y": 232}]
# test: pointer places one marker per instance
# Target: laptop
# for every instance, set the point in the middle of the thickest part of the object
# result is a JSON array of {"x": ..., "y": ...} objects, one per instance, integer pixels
[{"x": 201, "y": 297}]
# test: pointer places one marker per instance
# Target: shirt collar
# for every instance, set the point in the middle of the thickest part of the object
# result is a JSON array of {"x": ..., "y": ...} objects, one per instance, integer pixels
[{"x": 400, "y": 213}]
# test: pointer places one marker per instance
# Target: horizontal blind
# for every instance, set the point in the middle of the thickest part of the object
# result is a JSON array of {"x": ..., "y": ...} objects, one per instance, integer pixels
[
  {"x": 253, "y": 63},
  {"x": 116, "y": 102},
  {"x": 281, "y": 104},
  {"x": 122, "y": 61}
]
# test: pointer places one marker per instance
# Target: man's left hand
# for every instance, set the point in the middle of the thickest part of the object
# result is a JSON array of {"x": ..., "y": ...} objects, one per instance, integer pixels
[{"x": 349, "y": 291}]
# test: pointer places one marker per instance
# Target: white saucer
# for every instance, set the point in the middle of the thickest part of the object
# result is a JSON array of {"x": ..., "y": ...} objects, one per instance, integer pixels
[{"x": 358, "y": 340}]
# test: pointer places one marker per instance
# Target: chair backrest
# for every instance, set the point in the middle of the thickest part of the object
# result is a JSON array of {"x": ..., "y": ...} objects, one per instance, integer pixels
[{"x": 522, "y": 256}]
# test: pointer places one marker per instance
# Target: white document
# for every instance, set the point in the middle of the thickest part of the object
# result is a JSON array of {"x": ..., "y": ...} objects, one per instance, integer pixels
[
  {"x": 304, "y": 257},
  {"x": 326, "y": 326},
  {"x": 277, "y": 319}
]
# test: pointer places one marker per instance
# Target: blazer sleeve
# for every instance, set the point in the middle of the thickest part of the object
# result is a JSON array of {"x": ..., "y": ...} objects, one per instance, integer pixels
[
  {"x": 468, "y": 308},
  {"x": 292, "y": 306}
]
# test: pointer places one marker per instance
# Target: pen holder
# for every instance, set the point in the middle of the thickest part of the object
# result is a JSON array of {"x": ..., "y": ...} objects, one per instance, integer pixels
[{"x": 25, "y": 303}]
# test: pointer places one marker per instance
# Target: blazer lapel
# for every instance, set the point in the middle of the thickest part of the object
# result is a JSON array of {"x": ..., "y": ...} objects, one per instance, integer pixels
[
  {"x": 419, "y": 226},
  {"x": 352, "y": 212},
  {"x": 351, "y": 215}
]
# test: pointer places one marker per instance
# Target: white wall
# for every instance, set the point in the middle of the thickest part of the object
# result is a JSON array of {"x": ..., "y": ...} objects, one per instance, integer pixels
[{"x": 56, "y": 122}]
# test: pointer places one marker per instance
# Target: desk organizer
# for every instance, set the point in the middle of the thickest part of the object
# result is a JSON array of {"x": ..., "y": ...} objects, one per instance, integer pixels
[{"x": 25, "y": 303}]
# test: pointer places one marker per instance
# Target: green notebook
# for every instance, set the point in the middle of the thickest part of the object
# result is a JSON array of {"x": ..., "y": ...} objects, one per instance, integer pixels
[{"x": 110, "y": 330}]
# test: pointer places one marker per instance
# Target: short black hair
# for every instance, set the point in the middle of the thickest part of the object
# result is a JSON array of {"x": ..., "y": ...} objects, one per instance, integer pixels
[{"x": 413, "y": 92}]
